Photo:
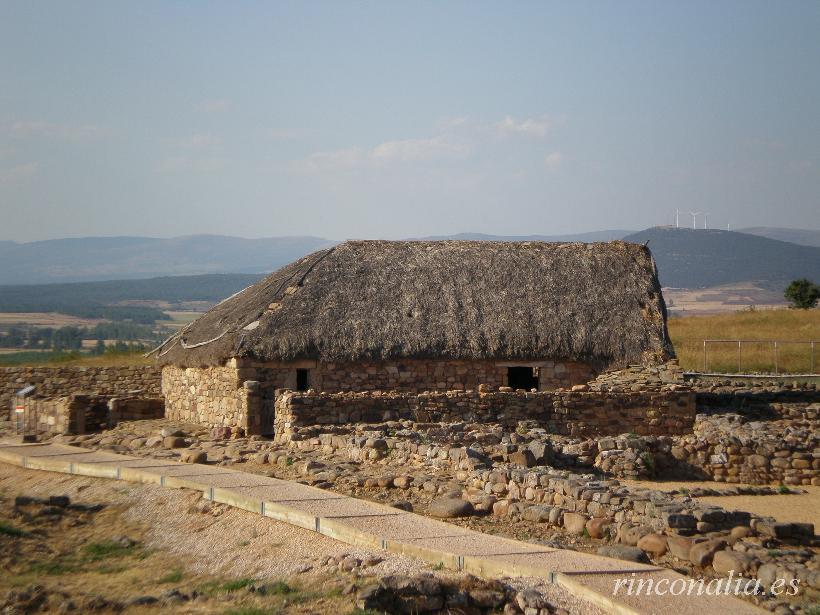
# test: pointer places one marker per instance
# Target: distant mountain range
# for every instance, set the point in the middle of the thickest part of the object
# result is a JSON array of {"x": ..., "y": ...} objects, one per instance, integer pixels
[
  {"x": 585, "y": 237},
  {"x": 686, "y": 258},
  {"x": 117, "y": 258}
]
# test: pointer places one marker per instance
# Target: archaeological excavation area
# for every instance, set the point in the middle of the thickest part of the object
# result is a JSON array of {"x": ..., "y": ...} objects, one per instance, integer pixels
[{"x": 545, "y": 407}]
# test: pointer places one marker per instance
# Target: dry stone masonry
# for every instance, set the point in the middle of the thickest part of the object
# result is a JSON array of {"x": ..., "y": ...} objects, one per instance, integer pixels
[
  {"x": 560, "y": 412},
  {"x": 60, "y": 381},
  {"x": 82, "y": 414}
]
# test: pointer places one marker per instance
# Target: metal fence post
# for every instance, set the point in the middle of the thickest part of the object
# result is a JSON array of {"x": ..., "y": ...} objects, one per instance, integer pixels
[
  {"x": 738, "y": 357},
  {"x": 775, "y": 353},
  {"x": 704, "y": 356}
]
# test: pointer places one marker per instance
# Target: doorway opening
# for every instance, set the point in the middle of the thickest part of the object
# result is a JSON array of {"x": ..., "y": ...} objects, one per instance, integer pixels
[
  {"x": 302, "y": 379},
  {"x": 522, "y": 378}
]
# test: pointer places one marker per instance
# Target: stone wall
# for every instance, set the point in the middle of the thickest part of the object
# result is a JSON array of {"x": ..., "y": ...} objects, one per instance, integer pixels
[
  {"x": 243, "y": 394},
  {"x": 214, "y": 396},
  {"x": 135, "y": 409},
  {"x": 730, "y": 448},
  {"x": 419, "y": 375},
  {"x": 62, "y": 381},
  {"x": 81, "y": 414},
  {"x": 70, "y": 414},
  {"x": 562, "y": 412}
]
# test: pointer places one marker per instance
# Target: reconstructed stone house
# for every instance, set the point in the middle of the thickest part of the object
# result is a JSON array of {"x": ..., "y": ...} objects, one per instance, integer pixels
[{"x": 418, "y": 316}]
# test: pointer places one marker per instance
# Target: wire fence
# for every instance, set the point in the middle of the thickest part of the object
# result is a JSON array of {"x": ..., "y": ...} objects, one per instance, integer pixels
[{"x": 767, "y": 356}]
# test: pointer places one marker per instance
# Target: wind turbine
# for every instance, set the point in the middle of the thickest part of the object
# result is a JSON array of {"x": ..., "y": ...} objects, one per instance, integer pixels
[
  {"x": 704, "y": 220},
  {"x": 695, "y": 215},
  {"x": 677, "y": 218}
]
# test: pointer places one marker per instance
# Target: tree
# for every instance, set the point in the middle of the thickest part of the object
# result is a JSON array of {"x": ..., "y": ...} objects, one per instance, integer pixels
[
  {"x": 99, "y": 349},
  {"x": 802, "y": 293}
]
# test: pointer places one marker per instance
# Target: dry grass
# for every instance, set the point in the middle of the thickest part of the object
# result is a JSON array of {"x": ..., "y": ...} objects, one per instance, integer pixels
[
  {"x": 39, "y": 358},
  {"x": 688, "y": 333}
]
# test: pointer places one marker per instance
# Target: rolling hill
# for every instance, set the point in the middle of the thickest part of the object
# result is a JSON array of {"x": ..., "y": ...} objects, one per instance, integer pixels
[
  {"x": 700, "y": 258},
  {"x": 118, "y": 258},
  {"x": 803, "y": 237}
]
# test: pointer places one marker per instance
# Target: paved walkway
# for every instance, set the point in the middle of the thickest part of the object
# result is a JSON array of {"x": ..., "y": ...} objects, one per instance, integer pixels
[{"x": 367, "y": 524}]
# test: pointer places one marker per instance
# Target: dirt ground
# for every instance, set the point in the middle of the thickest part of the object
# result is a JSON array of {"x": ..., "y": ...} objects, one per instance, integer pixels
[
  {"x": 151, "y": 549},
  {"x": 153, "y": 545},
  {"x": 800, "y": 508}
]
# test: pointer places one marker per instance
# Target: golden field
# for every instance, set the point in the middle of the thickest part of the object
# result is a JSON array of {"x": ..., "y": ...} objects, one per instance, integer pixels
[{"x": 687, "y": 334}]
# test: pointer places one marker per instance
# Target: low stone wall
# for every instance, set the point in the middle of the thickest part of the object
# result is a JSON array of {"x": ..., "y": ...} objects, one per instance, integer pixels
[
  {"x": 135, "y": 409},
  {"x": 757, "y": 404},
  {"x": 562, "y": 412},
  {"x": 729, "y": 448},
  {"x": 62, "y": 381},
  {"x": 81, "y": 414},
  {"x": 70, "y": 414}
]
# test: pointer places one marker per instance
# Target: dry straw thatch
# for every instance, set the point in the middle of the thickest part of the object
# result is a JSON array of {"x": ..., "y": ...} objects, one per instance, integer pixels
[{"x": 600, "y": 303}]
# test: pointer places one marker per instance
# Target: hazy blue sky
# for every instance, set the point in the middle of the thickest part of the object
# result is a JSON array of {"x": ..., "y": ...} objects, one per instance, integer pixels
[{"x": 386, "y": 119}]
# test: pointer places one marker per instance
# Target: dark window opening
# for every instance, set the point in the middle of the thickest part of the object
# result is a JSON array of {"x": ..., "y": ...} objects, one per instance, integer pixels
[
  {"x": 522, "y": 378},
  {"x": 302, "y": 379}
]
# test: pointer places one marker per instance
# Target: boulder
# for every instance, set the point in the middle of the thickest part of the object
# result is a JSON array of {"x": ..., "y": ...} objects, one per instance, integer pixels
[
  {"x": 174, "y": 442},
  {"x": 530, "y": 599},
  {"x": 524, "y": 458},
  {"x": 631, "y": 534},
  {"x": 574, "y": 523},
  {"x": 701, "y": 553},
  {"x": 448, "y": 508},
  {"x": 679, "y": 546},
  {"x": 193, "y": 456},
  {"x": 597, "y": 527},
  {"x": 221, "y": 432},
  {"x": 403, "y": 482},
  {"x": 727, "y": 561},
  {"x": 537, "y": 514},
  {"x": 654, "y": 544},
  {"x": 630, "y": 554}
]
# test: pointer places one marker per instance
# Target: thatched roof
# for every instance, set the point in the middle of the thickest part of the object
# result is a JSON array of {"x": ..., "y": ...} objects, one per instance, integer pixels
[{"x": 597, "y": 302}]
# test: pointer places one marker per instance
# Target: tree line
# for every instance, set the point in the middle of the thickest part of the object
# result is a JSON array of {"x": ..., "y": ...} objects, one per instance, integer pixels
[{"x": 71, "y": 338}]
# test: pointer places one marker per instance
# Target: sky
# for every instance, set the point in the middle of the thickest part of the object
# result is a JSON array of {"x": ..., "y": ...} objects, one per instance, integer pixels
[{"x": 388, "y": 119}]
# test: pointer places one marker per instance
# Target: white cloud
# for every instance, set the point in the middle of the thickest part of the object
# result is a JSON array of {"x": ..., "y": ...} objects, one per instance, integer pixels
[
  {"x": 533, "y": 127},
  {"x": 419, "y": 150},
  {"x": 338, "y": 159},
  {"x": 553, "y": 160},
  {"x": 216, "y": 105},
  {"x": 20, "y": 172},
  {"x": 399, "y": 151},
  {"x": 39, "y": 128}
]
